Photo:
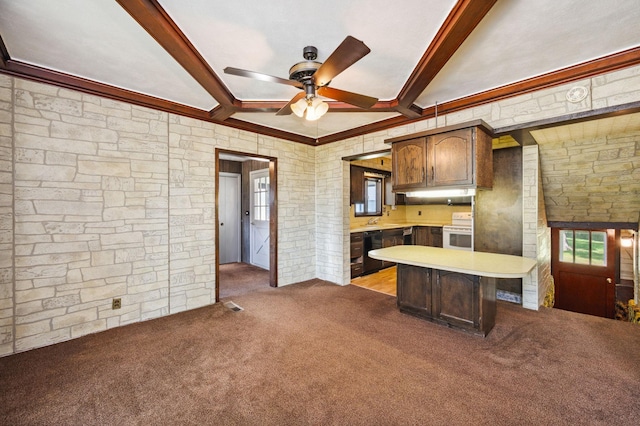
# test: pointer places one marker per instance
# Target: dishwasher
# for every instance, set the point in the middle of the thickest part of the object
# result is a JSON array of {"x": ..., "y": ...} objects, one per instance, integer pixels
[{"x": 372, "y": 241}]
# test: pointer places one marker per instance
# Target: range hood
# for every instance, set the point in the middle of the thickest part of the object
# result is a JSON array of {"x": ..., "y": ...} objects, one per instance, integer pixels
[
  {"x": 450, "y": 197},
  {"x": 442, "y": 193}
]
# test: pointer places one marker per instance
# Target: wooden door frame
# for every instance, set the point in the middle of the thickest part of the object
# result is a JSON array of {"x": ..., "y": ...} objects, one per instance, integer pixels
[{"x": 273, "y": 215}]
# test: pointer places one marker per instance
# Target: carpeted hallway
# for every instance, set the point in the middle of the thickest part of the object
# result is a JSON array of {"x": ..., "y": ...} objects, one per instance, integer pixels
[
  {"x": 241, "y": 278},
  {"x": 317, "y": 353}
]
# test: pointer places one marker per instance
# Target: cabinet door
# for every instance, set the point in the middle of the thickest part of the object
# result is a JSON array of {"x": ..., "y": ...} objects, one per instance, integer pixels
[
  {"x": 357, "y": 185},
  {"x": 435, "y": 236},
  {"x": 390, "y": 238},
  {"x": 457, "y": 299},
  {"x": 357, "y": 252},
  {"x": 409, "y": 159},
  {"x": 421, "y": 235},
  {"x": 414, "y": 289},
  {"x": 450, "y": 158}
]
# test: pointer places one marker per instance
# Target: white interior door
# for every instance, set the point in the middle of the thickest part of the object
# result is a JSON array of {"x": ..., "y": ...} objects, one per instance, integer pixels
[
  {"x": 259, "y": 229},
  {"x": 229, "y": 217}
]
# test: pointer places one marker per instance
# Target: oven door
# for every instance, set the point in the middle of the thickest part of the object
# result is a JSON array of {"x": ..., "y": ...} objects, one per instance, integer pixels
[{"x": 458, "y": 238}]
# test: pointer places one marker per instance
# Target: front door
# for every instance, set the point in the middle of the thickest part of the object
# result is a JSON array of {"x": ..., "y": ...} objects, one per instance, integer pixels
[
  {"x": 584, "y": 270},
  {"x": 259, "y": 229},
  {"x": 229, "y": 217}
]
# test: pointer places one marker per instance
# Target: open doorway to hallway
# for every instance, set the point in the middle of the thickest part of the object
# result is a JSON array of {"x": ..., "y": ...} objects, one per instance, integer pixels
[{"x": 246, "y": 200}]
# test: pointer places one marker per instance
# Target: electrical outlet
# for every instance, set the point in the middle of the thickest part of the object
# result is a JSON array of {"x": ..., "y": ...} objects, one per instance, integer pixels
[{"x": 116, "y": 303}]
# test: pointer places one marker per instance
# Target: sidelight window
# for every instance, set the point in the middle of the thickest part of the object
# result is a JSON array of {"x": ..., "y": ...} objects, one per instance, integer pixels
[
  {"x": 583, "y": 247},
  {"x": 261, "y": 198}
]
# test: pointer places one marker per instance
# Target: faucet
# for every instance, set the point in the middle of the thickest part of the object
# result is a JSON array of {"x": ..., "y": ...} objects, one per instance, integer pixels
[{"x": 373, "y": 221}]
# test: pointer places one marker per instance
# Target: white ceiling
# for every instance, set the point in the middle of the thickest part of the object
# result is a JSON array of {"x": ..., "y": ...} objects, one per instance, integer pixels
[{"x": 518, "y": 39}]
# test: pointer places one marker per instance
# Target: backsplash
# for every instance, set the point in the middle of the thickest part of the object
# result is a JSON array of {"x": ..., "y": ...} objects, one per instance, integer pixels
[{"x": 439, "y": 214}]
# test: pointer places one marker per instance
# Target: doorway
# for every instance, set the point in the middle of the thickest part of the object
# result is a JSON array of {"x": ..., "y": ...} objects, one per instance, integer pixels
[
  {"x": 584, "y": 270},
  {"x": 245, "y": 204}
]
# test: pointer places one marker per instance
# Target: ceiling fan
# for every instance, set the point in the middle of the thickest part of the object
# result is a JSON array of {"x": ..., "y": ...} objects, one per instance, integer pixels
[{"x": 314, "y": 78}]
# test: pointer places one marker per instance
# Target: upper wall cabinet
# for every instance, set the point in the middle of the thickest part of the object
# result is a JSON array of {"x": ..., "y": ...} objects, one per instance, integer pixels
[
  {"x": 452, "y": 157},
  {"x": 357, "y": 185},
  {"x": 409, "y": 157}
]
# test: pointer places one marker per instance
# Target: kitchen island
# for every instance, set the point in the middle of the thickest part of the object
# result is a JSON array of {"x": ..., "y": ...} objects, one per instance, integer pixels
[{"x": 455, "y": 288}]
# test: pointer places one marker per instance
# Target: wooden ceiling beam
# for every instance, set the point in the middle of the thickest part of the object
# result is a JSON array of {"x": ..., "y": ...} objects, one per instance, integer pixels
[
  {"x": 153, "y": 18},
  {"x": 462, "y": 20}
]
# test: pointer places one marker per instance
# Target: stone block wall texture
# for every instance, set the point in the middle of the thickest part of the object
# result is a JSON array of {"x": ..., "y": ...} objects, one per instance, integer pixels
[
  {"x": 581, "y": 176},
  {"x": 536, "y": 237},
  {"x": 112, "y": 201},
  {"x": 6, "y": 215},
  {"x": 91, "y": 209},
  {"x": 192, "y": 146}
]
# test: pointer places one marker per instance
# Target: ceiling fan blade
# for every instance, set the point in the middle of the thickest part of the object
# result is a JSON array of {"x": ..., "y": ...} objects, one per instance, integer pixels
[
  {"x": 286, "y": 110},
  {"x": 349, "y": 52},
  {"x": 356, "y": 99},
  {"x": 263, "y": 77}
]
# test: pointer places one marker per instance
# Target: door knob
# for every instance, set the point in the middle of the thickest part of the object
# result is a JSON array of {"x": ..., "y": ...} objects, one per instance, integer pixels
[
  {"x": 222, "y": 224},
  {"x": 609, "y": 280}
]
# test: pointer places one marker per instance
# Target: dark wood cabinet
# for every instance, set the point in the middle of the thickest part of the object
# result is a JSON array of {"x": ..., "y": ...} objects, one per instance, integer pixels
[
  {"x": 450, "y": 158},
  {"x": 357, "y": 253},
  {"x": 454, "y": 299},
  {"x": 427, "y": 236},
  {"x": 390, "y": 238},
  {"x": 456, "y": 156},
  {"x": 421, "y": 235},
  {"x": 414, "y": 295},
  {"x": 357, "y": 185},
  {"x": 409, "y": 162},
  {"x": 435, "y": 236}
]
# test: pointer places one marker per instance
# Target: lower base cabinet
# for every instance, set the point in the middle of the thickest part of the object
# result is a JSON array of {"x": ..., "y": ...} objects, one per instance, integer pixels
[
  {"x": 357, "y": 251},
  {"x": 427, "y": 236},
  {"x": 390, "y": 238},
  {"x": 414, "y": 295},
  {"x": 453, "y": 299}
]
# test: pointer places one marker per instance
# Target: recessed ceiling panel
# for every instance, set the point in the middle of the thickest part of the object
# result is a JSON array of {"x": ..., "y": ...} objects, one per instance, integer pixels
[
  {"x": 268, "y": 37},
  {"x": 99, "y": 41},
  {"x": 520, "y": 39},
  {"x": 330, "y": 123}
]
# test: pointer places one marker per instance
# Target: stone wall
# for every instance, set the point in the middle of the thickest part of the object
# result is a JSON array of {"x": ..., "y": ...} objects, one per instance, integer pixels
[
  {"x": 536, "y": 239},
  {"x": 118, "y": 201},
  {"x": 580, "y": 176},
  {"x": 6, "y": 216}
]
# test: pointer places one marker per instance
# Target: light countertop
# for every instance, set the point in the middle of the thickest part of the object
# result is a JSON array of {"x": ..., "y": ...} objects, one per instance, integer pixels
[
  {"x": 466, "y": 262},
  {"x": 382, "y": 226}
]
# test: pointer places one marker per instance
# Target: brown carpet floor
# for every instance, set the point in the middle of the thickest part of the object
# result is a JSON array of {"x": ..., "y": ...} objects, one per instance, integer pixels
[
  {"x": 316, "y": 353},
  {"x": 241, "y": 278}
]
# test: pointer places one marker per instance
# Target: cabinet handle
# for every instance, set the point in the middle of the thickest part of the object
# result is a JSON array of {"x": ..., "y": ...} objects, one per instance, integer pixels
[
  {"x": 433, "y": 173},
  {"x": 422, "y": 175}
]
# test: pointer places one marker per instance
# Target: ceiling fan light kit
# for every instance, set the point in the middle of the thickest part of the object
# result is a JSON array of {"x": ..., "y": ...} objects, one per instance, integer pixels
[
  {"x": 317, "y": 109},
  {"x": 311, "y": 75}
]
